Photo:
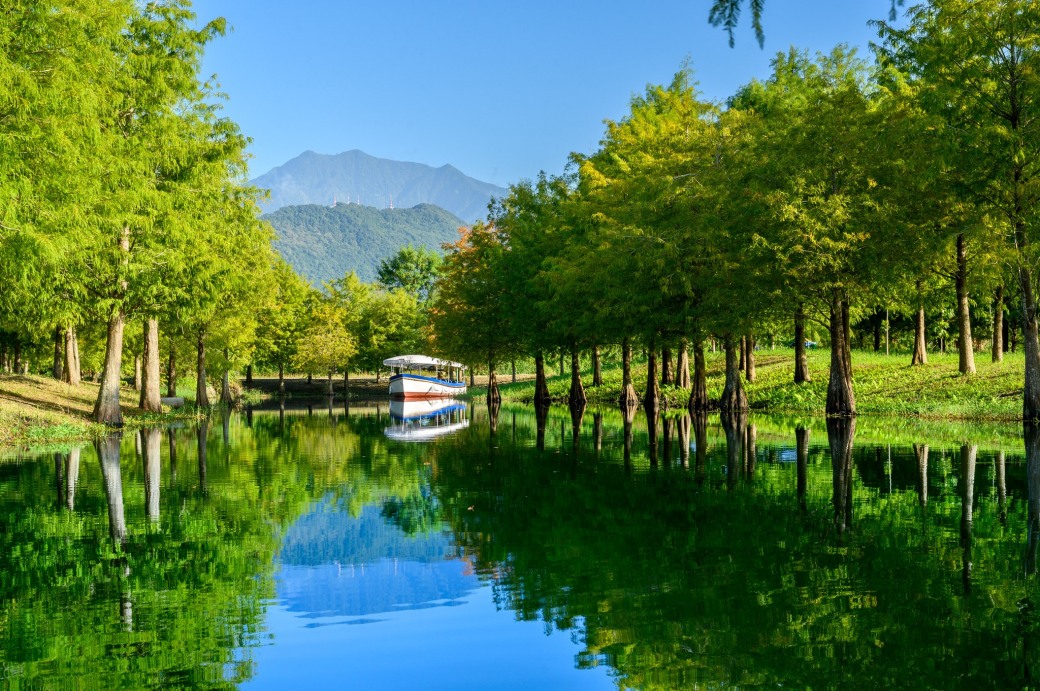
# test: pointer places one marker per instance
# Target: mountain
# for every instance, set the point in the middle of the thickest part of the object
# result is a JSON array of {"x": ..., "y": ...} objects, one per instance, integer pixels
[
  {"x": 324, "y": 243},
  {"x": 354, "y": 176}
]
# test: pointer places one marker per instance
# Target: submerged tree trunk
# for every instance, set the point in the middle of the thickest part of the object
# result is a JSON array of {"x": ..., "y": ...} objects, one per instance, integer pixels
[
  {"x": 150, "y": 400},
  {"x": 921, "y": 453},
  {"x": 71, "y": 372},
  {"x": 541, "y": 388},
  {"x": 652, "y": 397},
  {"x": 699, "y": 386},
  {"x": 801, "y": 362},
  {"x": 201, "y": 395},
  {"x": 920, "y": 356},
  {"x": 966, "y": 346},
  {"x": 106, "y": 408},
  {"x": 58, "y": 368},
  {"x": 577, "y": 393},
  {"x": 969, "y": 453},
  {"x": 840, "y": 400},
  {"x": 734, "y": 424},
  {"x": 749, "y": 358},
  {"x": 733, "y": 397},
  {"x": 151, "y": 443},
  {"x": 628, "y": 391},
  {"x": 597, "y": 367},
  {"x": 998, "y": 325}
]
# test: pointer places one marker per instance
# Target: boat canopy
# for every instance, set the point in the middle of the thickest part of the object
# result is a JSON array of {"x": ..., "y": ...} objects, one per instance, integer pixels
[{"x": 420, "y": 362}]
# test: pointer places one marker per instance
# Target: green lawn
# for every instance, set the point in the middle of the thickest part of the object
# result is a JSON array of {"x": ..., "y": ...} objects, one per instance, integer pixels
[{"x": 883, "y": 384}]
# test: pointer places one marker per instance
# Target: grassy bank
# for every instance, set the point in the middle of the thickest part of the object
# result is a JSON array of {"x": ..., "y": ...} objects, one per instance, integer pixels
[
  {"x": 38, "y": 411},
  {"x": 883, "y": 384}
]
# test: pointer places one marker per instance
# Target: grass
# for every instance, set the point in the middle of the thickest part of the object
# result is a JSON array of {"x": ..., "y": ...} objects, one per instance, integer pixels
[
  {"x": 884, "y": 385},
  {"x": 39, "y": 411}
]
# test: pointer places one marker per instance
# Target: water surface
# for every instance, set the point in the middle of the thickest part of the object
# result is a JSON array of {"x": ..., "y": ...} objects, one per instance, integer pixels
[{"x": 348, "y": 548}]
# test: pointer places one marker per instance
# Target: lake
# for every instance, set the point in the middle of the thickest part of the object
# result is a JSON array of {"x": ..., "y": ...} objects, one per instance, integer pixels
[{"x": 445, "y": 547}]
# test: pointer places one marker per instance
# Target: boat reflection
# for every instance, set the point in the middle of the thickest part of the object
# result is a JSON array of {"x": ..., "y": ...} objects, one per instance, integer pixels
[{"x": 425, "y": 420}]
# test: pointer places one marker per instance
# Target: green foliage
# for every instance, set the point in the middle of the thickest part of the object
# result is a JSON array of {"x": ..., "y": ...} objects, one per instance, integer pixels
[{"x": 412, "y": 269}]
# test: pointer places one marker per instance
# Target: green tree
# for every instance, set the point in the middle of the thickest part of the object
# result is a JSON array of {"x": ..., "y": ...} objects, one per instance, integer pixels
[{"x": 413, "y": 269}]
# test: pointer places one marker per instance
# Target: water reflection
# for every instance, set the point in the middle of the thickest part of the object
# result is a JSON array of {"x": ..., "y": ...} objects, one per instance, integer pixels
[
  {"x": 748, "y": 569},
  {"x": 424, "y": 420}
]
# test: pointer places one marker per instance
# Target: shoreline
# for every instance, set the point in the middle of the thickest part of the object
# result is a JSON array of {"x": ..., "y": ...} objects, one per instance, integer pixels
[{"x": 38, "y": 412}]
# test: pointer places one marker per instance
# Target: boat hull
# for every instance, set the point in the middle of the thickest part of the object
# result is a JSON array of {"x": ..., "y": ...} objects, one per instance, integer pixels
[{"x": 414, "y": 387}]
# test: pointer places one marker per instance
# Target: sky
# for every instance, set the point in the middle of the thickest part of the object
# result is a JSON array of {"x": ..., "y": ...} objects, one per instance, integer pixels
[{"x": 500, "y": 90}]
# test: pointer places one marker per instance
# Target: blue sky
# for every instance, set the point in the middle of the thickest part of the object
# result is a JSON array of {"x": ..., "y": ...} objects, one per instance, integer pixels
[{"x": 500, "y": 90}]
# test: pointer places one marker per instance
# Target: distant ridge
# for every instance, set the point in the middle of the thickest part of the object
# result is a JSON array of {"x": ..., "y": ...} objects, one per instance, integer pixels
[
  {"x": 354, "y": 176},
  {"x": 323, "y": 243}
]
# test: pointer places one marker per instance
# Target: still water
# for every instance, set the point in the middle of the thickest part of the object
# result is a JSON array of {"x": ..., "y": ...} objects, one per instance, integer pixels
[{"x": 348, "y": 548}]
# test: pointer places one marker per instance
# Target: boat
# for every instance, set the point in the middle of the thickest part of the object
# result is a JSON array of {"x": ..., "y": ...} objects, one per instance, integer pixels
[
  {"x": 426, "y": 419},
  {"x": 421, "y": 376}
]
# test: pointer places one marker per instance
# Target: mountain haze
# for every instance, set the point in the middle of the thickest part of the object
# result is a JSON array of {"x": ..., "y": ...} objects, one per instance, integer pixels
[
  {"x": 354, "y": 176},
  {"x": 323, "y": 243}
]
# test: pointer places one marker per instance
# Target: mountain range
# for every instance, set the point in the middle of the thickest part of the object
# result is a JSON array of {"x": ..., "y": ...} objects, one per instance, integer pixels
[
  {"x": 323, "y": 243},
  {"x": 354, "y": 176}
]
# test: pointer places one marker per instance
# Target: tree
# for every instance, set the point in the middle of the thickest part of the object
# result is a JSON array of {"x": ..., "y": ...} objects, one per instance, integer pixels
[
  {"x": 413, "y": 269},
  {"x": 325, "y": 344},
  {"x": 978, "y": 64}
]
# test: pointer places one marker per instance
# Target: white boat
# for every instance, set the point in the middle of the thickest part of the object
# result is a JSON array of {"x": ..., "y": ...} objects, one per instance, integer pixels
[
  {"x": 425, "y": 420},
  {"x": 421, "y": 376}
]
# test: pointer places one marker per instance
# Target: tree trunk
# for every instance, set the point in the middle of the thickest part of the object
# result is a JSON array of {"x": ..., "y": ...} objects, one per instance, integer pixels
[
  {"x": 171, "y": 372},
  {"x": 683, "y": 373},
  {"x": 652, "y": 397},
  {"x": 512, "y": 370},
  {"x": 846, "y": 329},
  {"x": 743, "y": 354},
  {"x": 998, "y": 325},
  {"x": 201, "y": 395},
  {"x": 920, "y": 356},
  {"x": 249, "y": 376},
  {"x": 699, "y": 386},
  {"x": 137, "y": 372},
  {"x": 225, "y": 384},
  {"x": 71, "y": 372},
  {"x": 106, "y": 408},
  {"x": 597, "y": 367},
  {"x": 840, "y": 400},
  {"x": 666, "y": 366},
  {"x": 577, "y": 394},
  {"x": 1031, "y": 343},
  {"x": 734, "y": 400},
  {"x": 17, "y": 367},
  {"x": 472, "y": 377},
  {"x": 328, "y": 387},
  {"x": 149, "y": 400},
  {"x": 877, "y": 332},
  {"x": 541, "y": 387},
  {"x": 59, "y": 353},
  {"x": 965, "y": 345},
  {"x": 346, "y": 383},
  {"x": 801, "y": 362},
  {"x": 749, "y": 358},
  {"x": 281, "y": 378},
  {"x": 561, "y": 363},
  {"x": 494, "y": 398},
  {"x": 628, "y": 391}
]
